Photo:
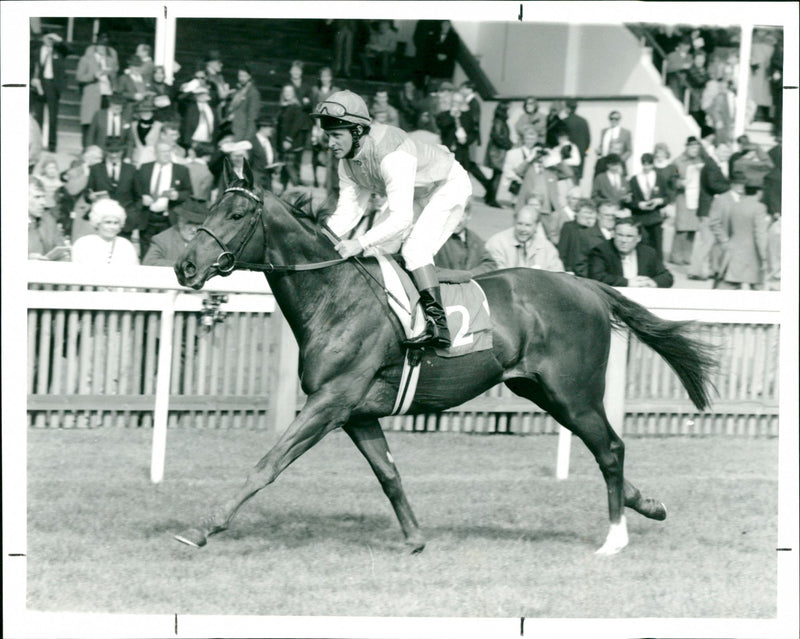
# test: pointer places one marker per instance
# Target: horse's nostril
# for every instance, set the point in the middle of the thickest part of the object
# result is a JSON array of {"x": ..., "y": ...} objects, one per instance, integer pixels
[{"x": 189, "y": 268}]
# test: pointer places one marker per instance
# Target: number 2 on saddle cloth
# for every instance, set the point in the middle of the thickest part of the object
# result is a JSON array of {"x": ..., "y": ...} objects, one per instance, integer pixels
[{"x": 448, "y": 369}]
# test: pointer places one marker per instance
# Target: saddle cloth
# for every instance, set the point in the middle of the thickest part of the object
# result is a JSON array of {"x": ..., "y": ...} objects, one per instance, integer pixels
[{"x": 468, "y": 315}]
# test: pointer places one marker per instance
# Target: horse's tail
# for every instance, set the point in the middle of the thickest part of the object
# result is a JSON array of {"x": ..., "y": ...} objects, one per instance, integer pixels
[{"x": 693, "y": 360}]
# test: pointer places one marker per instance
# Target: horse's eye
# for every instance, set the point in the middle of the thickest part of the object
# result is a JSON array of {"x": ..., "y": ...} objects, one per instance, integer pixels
[{"x": 237, "y": 216}]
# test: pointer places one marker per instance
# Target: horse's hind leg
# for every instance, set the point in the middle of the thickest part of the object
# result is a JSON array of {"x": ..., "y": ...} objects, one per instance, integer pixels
[
  {"x": 368, "y": 436},
  {"x": 585, "y": 416}
]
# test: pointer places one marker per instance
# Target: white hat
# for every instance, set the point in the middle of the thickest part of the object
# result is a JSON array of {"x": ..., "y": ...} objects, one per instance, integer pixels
[
  {"x": 161, "y": 101},
  {"x": 52, "y": 36},
  {"x": 233, "y": 147}
]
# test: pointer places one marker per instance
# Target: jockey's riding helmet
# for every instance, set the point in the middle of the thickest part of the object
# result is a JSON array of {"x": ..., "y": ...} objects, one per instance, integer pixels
[{"x": 342, "y": 110}]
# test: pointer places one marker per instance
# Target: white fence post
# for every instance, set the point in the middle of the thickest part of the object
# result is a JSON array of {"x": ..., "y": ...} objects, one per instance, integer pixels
[
  {"x": 562, "y": 458},
  {"x": 163, "y": 374},
  {"x": 283, "y": 398}
]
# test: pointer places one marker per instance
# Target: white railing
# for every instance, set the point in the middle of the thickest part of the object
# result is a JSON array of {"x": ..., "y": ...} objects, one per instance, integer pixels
[{"x": 249, "y": 292}]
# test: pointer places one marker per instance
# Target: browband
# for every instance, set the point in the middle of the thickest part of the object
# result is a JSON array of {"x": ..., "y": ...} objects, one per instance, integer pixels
[{"x": 247, "y": 192}]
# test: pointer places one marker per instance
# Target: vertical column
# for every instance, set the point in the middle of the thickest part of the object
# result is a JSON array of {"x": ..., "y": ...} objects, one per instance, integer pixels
[
  {"x": 164, "y": 372},
  {"x": 743, "y": 81},
  {"x": 284, "y": 382},
  {"x": 616, "y": 379},
  {"x": 572, "y": 60},
  {"x": 644, "y": 132},
  {"x": 164, "y": 48}
]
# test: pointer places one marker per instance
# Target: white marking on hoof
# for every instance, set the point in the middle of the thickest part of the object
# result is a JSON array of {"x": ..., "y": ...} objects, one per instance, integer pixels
[
  {"x": 186, "y": 541},
  {"x": 617, "y": 539}
]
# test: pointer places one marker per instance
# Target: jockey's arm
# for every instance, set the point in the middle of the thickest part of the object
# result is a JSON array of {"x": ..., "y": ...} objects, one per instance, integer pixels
[
  {"x": 350, "y": 208},
  {"x": 399, "y": 170}
]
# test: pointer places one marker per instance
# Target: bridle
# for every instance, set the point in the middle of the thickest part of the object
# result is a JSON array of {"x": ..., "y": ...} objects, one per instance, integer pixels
[{"x": 228, "y": 261}]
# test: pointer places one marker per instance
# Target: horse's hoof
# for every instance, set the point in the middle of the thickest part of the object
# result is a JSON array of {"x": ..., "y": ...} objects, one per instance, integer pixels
[
  {"x": 192, "y": 537},
  {"x": 607, "y": 550},
  {"x": 659, "y": 513},
  {"x": 415, "y": 546}
]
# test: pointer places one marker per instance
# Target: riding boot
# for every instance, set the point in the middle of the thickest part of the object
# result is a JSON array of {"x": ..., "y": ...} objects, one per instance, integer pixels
[{"x": 436, "y": 332}]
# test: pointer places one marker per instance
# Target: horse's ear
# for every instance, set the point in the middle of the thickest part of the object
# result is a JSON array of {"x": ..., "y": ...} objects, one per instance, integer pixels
[
  {"x": 228, "y": 174},
  {"x": 248, "y": 174}
]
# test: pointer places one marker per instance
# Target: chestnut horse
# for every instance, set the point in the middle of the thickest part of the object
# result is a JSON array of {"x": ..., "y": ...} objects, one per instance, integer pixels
[{"x": 551, "y": 335}]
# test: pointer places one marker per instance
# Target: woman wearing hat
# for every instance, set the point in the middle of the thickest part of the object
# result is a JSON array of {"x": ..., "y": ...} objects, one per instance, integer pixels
[
  {"x": 103, "y": 246},
  {"x": 414, "y": 177},
  {"x": 244, "y": 106},
  {"x": 132, "y": 84},
  {"x": 96, "y": 74},
  {"x": 143, "y": 134}
]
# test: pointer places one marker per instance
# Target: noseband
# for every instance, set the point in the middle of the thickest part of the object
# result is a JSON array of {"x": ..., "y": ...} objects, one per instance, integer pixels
[{"x": 227, "y": 260}]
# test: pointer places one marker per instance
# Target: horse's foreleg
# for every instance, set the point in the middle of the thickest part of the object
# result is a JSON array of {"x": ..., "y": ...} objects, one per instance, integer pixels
[
  {"x": 368, "y": 437},
  {"x": 318, "y": 417}
]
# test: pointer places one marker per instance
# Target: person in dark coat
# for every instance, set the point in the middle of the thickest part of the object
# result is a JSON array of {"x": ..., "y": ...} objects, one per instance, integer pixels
[
  {"x": 772, "y": 182},
  {"x": 108, "y": 122},
  {"x": 499, "y": 142},
  {"x": 114, "y": 178},
  {"x": 48, "y": 81},
  {"x": 625, "y": 261},
  {"x": 459, "y": 131},
  {"x": 578, "y": 237},
  {"x": 444, "y": 47},
  {"x": 168, "y": 246},
  {"x": 649, "y": 191},
  {"x": 264, "y": 156},
  {"x": 578, "y": 132},
  {"x": 465, "y": 250},
  {"x": 293, "y": 127}
]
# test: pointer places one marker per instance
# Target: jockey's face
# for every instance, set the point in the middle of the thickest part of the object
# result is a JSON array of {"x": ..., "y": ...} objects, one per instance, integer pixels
[{"x": 340, "y": 142}]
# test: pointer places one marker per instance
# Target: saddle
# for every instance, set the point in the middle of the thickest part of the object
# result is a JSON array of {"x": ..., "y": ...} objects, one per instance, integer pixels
[{"x": 468, "y": 315}]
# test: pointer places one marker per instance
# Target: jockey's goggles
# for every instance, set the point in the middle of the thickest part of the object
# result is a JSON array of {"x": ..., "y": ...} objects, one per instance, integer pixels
[{"x": 337, "y": 110}]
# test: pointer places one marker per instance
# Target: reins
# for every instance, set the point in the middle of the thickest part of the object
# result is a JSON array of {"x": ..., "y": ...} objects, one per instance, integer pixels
[{"x": 227, "y": 261}]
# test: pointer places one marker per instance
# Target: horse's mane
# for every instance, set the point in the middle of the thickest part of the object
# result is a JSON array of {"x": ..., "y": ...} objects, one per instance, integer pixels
[{"x": 301, "y": 204}]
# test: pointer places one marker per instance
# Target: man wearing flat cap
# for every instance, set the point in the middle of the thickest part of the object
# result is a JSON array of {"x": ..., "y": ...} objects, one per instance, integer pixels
[
  {"x": 168, "y": 246},
  {"x": 114, "y": 178},
  {"x": 48, "y": 80},
  {"x": 108, "y": 123}
]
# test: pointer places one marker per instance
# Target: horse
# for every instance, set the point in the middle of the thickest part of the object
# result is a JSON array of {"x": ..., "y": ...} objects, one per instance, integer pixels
[{"x": 551, "y": 335}]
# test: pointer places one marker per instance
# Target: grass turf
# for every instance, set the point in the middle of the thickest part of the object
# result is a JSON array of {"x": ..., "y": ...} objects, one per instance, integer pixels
[{"x": 504, "y": 538}]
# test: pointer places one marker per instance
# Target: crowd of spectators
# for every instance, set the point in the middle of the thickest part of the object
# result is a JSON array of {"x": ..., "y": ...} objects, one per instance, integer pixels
[{"x": 157, "y": 150}]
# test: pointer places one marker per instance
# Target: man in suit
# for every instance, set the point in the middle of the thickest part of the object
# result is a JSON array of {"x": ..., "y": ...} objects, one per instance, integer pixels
[
  {"x": 616, "y": 151},
  {"x": 169, "y": 245},
  {"x": 611, "y": 186},
  {"x": 719, "y": 223},
  {"x": 625, "y": 261},
  {"x": 464, "y": 250},
  {"x": 614, "y": 131},
  {"x": 114, "y": 178},
  {"x": 600, "y": 231},
  {"x": 109, "y": 123},
  {"x": 578, "y": 132},
  {"x": 199, "y": 122},
  {"x": 648, "y": 199},
  {"x": 744, "y": 254},
  {"x": 48, "y": 80},
  {"x": 263, "y": 157},
  {"x": 160, "y": 186},
  {"x": 524, "y": 245}
]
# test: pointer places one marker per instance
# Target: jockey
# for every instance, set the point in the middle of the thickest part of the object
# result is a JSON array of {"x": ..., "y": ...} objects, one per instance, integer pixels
[{"x": 414, "y": 177}]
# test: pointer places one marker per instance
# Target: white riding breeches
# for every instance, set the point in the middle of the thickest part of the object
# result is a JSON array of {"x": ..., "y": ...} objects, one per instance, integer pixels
[{"x": 438, "y": 219}]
